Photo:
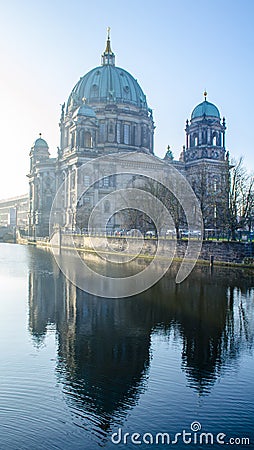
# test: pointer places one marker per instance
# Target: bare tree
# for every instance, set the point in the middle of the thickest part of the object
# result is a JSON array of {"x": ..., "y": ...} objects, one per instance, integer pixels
[
  {"x": 142, "y": 221},
  {"x": 199, "y": 185},
  {"x": 241, "y": 198},
  {"x": 82, "y": 216},
  {"x": 170, "y": 202}
]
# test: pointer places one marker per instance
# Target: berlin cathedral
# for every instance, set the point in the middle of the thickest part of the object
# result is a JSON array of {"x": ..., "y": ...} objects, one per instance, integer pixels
[{"x": 107, "y": 113}]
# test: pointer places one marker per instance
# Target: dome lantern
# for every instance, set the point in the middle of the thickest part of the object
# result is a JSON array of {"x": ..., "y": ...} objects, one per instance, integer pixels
[{"x": 108, "y": 57}]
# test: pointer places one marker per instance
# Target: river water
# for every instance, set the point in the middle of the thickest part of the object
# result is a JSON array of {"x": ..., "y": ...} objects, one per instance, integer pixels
[{"x": 81, "y": 372}]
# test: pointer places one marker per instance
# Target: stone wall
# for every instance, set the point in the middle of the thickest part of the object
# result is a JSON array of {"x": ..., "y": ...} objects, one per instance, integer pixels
[
  {"x": 233, "y": 252},
  {"x": 228, "y": 252}
]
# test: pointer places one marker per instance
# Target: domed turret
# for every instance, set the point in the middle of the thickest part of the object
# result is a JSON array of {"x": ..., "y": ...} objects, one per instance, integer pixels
[
  {"x": 205, "y": 134},
  {"x": 40, "y": 143},
  {"x": 40, "y": 149},
  {"x": 205, "y": 109},
  {"x": 42, "y": 187}
]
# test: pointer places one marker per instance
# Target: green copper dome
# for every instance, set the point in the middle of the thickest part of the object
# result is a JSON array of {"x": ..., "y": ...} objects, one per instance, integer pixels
[
  {"x": 205, "y": 108},
  {"x": 40, "y": 143},
  {"x": 107, "y": 84}
]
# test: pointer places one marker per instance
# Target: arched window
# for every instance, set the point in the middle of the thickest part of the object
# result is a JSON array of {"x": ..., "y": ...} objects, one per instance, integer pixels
[
  {"x": 126, "y": 92},
  {"x": 118, "y": 132},
  {"x": 77, "y": 139},
  {"x": 144, "y": 136},
  {"x": 215, "y": 139},
  {"x": 111, "y": 128},
  {"x": 66, "y": 137},
  {"x": 102, "y": 136},
  {"x": 195, "y": 141},
  {"x": 94, "y": 92},
  {"x": 106, "y": 206},
  {"x": 73, "y": 179},
  {"x": 126, "y": 133},
  {"x": 133, "y": 138},
  {"x": 86, "y": 181},
  {"x": 81, "y": 138},
  {"x": 72, "y": 140},
  {"x": 88, "y": 139},
  {"x": 48, "y": 201}
]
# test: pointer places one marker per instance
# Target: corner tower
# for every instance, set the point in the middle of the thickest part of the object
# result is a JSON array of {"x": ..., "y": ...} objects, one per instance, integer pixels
[
  {"x": 42, "y": 188},
  {"x": 206, "y": 162}
]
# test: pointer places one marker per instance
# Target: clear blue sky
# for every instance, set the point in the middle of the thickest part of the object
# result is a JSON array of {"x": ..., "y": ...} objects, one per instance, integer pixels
[{"x": 175, "y": 49}]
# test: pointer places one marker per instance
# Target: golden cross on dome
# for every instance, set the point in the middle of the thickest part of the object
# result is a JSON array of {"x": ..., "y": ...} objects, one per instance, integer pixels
[
  {"x": 108, "y": 31},
  {"x": 40, "y": 135},
  {"x": 205, "y": 94}
]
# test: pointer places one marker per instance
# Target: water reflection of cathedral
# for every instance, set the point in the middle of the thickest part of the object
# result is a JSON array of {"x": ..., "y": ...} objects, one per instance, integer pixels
[{"x": 104, "y": 345}]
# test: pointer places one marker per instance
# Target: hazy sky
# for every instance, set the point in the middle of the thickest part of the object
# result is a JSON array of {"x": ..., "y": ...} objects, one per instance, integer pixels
[{"x": 175, "y": 49}]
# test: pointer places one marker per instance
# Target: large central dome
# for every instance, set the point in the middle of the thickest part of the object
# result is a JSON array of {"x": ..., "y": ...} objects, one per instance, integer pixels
[
  {"x": 107, "y": 84},
  {"x": 106, "y": 112}
]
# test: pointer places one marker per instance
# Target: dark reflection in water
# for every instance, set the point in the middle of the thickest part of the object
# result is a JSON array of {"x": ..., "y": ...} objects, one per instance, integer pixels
[
  {"x": 215, "y": 322},
  {"x": 104, "y": 345}
]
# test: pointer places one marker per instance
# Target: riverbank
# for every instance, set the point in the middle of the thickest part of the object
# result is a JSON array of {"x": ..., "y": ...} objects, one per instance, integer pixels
[{"x": 212, "y": 252}]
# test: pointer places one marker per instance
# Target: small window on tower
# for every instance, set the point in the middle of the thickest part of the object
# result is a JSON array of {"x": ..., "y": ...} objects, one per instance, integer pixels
[
  {"x": 86, "y": 181},
  {"x": 72, "y": 140},
  {"x": 73, "y": 179},
  {"x": 88, "y": 140},
  {"x": 81, "y": 139},
  {"x": 106, "y": 181}
]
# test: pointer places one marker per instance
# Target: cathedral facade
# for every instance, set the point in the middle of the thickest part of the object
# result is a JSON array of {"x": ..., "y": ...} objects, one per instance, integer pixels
[{"x": 107, "y": 113}]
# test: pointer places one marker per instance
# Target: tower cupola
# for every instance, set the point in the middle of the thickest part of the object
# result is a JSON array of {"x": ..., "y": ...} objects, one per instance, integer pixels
[{"x": 205, "y": 134}]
